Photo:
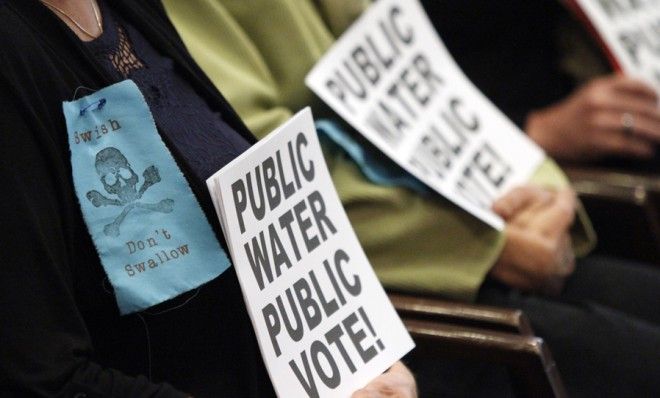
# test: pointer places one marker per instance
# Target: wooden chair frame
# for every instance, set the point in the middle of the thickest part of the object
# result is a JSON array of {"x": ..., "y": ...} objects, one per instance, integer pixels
[
  {"x": 446, "y": 329},
  {"x": 625, "y": 210}
]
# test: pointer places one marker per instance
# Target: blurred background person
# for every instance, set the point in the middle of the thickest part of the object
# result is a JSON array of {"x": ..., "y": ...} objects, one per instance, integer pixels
[
  {"x": 61, "y": 331},
  {"x": 258, "y": 53},
  {"x": 540, "y": 66}
]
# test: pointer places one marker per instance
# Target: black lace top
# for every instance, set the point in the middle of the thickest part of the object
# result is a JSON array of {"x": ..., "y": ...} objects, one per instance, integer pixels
[
  {"x": 61, "y": 333},
  {"x": 199, "y": 136}
]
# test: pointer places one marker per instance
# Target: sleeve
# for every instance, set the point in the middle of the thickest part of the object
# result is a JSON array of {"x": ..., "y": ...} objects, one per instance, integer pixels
[
  {"x": 340, "y": 14},
  {"x": 416, "y": 243},
  {"x": 45, "y": 348},
  {"x": 423, "y": 244},
  {"x": 583, "y": 234},
  {"x": 413, "y": 243}
]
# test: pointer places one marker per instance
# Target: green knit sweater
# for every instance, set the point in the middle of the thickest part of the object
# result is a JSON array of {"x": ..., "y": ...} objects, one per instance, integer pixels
[{"x": 257, "y": 53}]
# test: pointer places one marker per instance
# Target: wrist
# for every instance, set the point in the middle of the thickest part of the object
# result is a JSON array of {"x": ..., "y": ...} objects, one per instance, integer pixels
[{"x": 537, "y": 130}]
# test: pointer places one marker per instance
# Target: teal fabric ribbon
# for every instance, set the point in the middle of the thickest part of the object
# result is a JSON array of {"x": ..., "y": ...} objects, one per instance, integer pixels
[
  {"x": 151, "y": 235},
  {"x": 375, "y": 166}
]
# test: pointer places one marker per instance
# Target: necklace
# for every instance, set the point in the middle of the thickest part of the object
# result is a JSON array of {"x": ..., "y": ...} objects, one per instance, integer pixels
[{"x": 73, "y": 21}]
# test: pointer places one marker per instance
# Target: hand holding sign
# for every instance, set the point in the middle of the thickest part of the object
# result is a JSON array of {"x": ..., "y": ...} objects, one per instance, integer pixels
[
  {"x": 392, "y": 79},
  {"x": 628, "y": 30},
  {"x": 592, "y": 123},
  {"x": 323, "y": 322},
  {"x": 537, "y": 255},
  {"x": 397, "y": 382}
]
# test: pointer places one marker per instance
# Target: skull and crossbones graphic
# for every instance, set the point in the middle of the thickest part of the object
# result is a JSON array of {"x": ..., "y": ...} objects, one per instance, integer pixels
[{"x": 119, "y": 179}]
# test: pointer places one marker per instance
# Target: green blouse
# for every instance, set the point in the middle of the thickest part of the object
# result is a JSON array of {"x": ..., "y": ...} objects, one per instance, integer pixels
[{"x": 257, "y": 53}]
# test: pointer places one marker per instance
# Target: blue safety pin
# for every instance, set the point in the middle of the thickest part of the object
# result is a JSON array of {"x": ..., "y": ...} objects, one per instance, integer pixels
[{"x": 99, "y": 105}]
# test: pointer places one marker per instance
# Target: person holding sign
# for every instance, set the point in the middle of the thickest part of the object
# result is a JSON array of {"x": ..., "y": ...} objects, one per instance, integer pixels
[
  {"x": 115, "y": 280},
  {"x": 323, "y": 321},
  {"x": 590, "y": 306},
  {"x": 616, "y": 115},
  {"x": 535, "y": 62}
]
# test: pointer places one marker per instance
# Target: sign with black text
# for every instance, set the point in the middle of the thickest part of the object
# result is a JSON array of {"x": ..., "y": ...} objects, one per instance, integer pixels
[
  {"x": 323, "y": 321},
  {"x": 394, "y": 81},
  {"x": 630, "y": 32}
]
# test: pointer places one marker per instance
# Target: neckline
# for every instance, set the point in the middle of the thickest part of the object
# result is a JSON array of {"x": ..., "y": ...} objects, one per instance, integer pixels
[
  {"x": 109, "y": 33},
  {"x": 80, "y": 31}
]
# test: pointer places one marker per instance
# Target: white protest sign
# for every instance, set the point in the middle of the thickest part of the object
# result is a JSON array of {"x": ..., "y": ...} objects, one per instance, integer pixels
[
  {"x": 394, "y": 81},
  {"x": 630, "y": 30},
  {"x": 323, "y": 321}
]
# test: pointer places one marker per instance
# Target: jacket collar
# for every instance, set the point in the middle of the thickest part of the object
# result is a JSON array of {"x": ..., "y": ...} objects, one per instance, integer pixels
[{"x": 150, "y": 18}]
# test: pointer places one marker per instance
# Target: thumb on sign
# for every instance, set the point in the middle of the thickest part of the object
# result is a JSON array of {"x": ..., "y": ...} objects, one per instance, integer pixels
[{"x": 397, "y": 382}]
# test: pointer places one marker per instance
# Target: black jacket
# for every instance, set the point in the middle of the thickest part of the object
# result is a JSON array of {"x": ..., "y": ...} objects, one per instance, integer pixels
[
  {"x": 507, "y": 49},
  {"x": 60, "y": 331},
  {"x": 511, "y": 51}
]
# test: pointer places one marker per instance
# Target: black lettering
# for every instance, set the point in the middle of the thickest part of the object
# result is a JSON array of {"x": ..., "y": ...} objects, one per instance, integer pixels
[
  {"x": 277, "y": 249},
  {"x": 630, "y": 43},
  {"x": 471, "y": 124},
  {"x": 337, "y": 91},
  {"x": 396, "y": 94},
  {"x": 317, "y": 205},
  {"x": 493, "y": 167},
  {"x": 356, "y": 336},
  {"x": 333, "y": 280},
  {"x": 296, "y": 177},
  {"x": 272, "y": 185},
  {"x": 472, "y": 190},
  {"x": 307, "y": 172},
  {"x": 305, "y": 223},
  {"x": 286, "y": 220},
  {"x": 183, "y": 249},
  {"x": 308, "y": 305},
  {"x": 317, "y": 350},
  {"x": 329, "y": 307},
  {"x": 356, "y": 88},
  {"x": 258, "y": 259},
  {"x": 615, "y": 8},
  {"x": 385, "y": 60},
  {"x": 423, "y": 67},
  {"x": 114, "y": 124},
  {"x": 356, "y": 287},
  {"x": 407, "y": 36},
  {"x": 140, "y": 267},
  {"x": 333, "y": 336},
  {"x": 367, "y": 322},
  {"x": 375, "y": 122},
  {"x": 258, "y": 211},
  {"x": 287, "y": 187},
  {"x": 394, "y": 118},
  {"x": 308, "y": 383},
  {"x": 273, "y": 326},
  {"x": 295, "y": 332},
  {"x": 366, "y": 66},
  {"x": 240, "y": 201}
]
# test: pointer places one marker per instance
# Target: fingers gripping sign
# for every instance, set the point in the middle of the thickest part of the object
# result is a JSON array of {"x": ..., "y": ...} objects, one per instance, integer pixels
[
  {"x": 324, "y": 324},
  {"x": 394, "y": 81},
  {"x": 397, "y": 382},
  {"x": 538, "y": 253},
  {"x": 596, "y": 121}
]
